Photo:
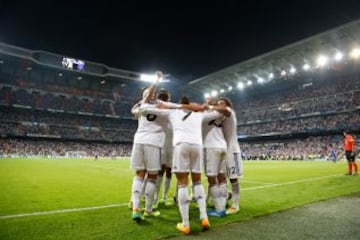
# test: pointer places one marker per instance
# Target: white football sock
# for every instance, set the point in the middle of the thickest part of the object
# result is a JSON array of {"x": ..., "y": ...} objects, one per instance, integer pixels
[
  {"x": 149, "y": 194},
  {"x": 136, "y": 192},
  {"x": 199, "y": 195},
  {"x": 183, "y": 202}
]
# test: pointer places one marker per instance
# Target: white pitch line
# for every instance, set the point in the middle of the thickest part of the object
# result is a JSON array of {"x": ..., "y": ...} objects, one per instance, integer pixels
[
  {"x": 246, "y": 181},
  {"x": 124, "y": 204},
  {"x": 289, "y": 183},
  {"x": 61, "y": 211}
]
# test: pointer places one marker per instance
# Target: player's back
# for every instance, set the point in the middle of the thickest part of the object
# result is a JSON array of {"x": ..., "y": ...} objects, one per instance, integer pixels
[
  {"x": 186, "y": 126},
  {"x": 151, "y": 129}
]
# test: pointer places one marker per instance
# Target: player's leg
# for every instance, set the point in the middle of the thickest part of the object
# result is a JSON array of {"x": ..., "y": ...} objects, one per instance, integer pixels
[
  {"x": 181, "y": 169},
  {"x": 234, "y": 171},
  {"x": 211, "y": 169},
  {"x": 137, "y": 163},
  {"x": 350, "y": 163},
  {"x": 168, "y": 164},
  {"x": 159, "y": 181},
  {"x": 153, "y": 166},
  {"x": 198, "y": 189}
]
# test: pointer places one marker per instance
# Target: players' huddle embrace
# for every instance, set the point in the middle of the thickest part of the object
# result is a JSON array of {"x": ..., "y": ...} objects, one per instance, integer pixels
[{"x": 183, "y": 139}]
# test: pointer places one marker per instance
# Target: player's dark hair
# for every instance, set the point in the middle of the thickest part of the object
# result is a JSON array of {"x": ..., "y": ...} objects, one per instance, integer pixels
[
  {"x": 184, "y": 100},
  {"x": 164, "y": 95},
  {"x": 227, "y": 101}
]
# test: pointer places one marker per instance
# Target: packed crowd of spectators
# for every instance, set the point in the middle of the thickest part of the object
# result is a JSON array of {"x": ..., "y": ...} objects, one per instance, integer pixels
[
  {"x": 64, "y": 102},
  {"x": 320, "y": 97},
  {"x": 51, "y": 111},
  {"x": 46, "y": 148},
  {"x": 317, "y": 148},
  {"x": 335, "y": 121}
]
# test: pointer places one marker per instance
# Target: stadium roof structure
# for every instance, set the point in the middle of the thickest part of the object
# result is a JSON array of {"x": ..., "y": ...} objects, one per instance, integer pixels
[
  {"x": 279, "y": 64},
  {"x": 56, "y": 61}
]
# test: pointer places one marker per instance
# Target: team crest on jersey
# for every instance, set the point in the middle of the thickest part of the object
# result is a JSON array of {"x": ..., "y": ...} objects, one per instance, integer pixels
[{"x": 151, "y": 117}]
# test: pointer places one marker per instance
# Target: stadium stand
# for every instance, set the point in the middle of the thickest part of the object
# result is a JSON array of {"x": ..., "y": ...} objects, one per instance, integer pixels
[{"x": 285, "y": 111}]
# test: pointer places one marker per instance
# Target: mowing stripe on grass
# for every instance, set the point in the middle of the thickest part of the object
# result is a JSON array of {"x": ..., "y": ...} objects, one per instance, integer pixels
[
  {"x": 289, "y": 183},
  {"x": 62, "y": 211},
  {"x": 125, "y": 204}
]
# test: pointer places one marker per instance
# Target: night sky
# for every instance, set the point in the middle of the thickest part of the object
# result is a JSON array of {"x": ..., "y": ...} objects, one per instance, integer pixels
[{"x": 186, "y": 40}]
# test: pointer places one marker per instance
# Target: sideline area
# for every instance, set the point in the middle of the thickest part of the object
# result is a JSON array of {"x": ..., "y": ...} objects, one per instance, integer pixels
[{"x": 337, "y": 218}]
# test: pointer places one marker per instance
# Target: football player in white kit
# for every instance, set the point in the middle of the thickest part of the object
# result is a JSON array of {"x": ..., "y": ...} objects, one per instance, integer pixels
[
  {"x": 233, "y": 157},
  {"x": 187, "y": 156},
  {"x": 146, "y": 153},
  {"x": 215, "y": 149},
  {"x": 166, "y": 160}
]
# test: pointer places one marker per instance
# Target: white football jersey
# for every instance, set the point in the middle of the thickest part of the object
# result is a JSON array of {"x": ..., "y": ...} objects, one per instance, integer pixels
[
  {"x": 230, "y": 132},
  {"x": 168, "y": 137},
  {"x": 151, "y": 128},
  {"x": 186, "y": 125},
  {"x": 213, "y": 134}
]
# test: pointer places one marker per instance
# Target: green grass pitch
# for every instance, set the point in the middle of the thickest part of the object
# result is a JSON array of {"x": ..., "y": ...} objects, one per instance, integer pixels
[{"x": 53, "y": 186}]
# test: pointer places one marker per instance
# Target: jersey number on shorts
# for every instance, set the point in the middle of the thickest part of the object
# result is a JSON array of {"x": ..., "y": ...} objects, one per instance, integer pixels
[{"x": 231, "y": 170}]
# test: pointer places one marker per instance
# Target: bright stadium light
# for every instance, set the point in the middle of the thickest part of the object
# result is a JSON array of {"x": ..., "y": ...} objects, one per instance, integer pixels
[
  {"x": 240, "y": 85},
  {"x": 222, "y": 91},
  {"x": 206, "y": 95},
  {"x": 338, "y": 56},
  {"x": 260, "y": 80},
  {"x": 306, "y": 66},
  {"x": 321, "y": 61},
  {"x": 214, "y": 93},
  {"x": 148, "y": 77},
  {"x": 355, "y": 53},
  {"x": 271, "y": 76},
  {"x": 292, "y": 70},
  {"x": 230, "y": 88},
  {"x": 283, "y": 73},
  {"x": 249, "y": 83}
]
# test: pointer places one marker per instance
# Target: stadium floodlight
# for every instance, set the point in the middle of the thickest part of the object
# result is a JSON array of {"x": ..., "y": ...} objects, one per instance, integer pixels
[
  {"x": 283, "y": 73},
  {"x": 214, "y": 93},
  {"x": 271, "y": 76},
  {"x": 306, "y": 66},
  {"x": 206, "y": 95},
  {"x": 355, "y": 53},
  {"x": 240, "y": 85},
  {"x": 260, "y": 80},
  {"x": 338, "y": 56},
  {"x": 249, "y": 83},
  {"x": 292, "y": 70},
  {"x": 222, "y": 91},
  {"x": 230, "y": 88},
  {"x": 148, "y": 77},
  {"x": 322, "y": 61}
]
